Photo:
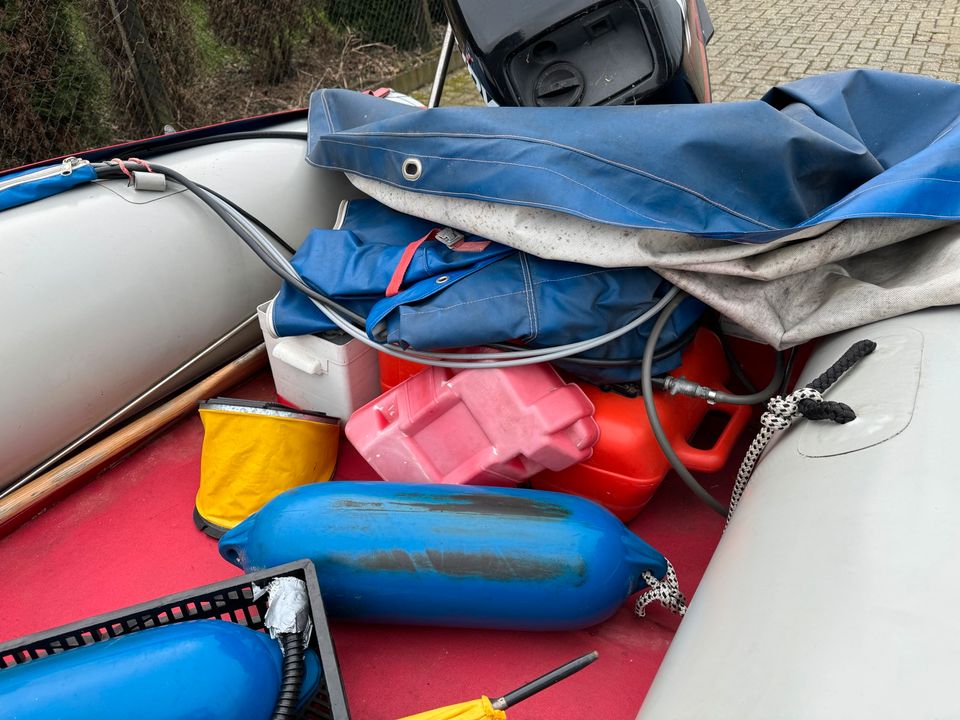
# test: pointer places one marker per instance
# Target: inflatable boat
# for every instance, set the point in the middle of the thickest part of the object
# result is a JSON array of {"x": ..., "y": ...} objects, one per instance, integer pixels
[
  {"x": 822, "y": 597},
  {"x": 162, "y": 301}
]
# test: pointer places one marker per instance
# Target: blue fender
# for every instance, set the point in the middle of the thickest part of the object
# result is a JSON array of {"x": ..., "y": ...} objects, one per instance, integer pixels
[
  {"x": 206, "y": 669},
  {"x": 451, "y": 555}
]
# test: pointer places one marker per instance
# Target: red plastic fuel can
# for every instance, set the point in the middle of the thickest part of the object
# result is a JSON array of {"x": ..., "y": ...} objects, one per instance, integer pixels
[
  {"x": 394, "y": 370},
  {"x": 627, "y": 465}
]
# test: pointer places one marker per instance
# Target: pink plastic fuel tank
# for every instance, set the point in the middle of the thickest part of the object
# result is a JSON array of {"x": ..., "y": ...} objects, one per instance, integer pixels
[{"x": 484, "y": 426}]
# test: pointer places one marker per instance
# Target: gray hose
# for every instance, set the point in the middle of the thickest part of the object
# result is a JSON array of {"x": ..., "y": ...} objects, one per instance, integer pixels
[
  {"x": 351, "y": 323},
  {"x": 682, "y": 386}
]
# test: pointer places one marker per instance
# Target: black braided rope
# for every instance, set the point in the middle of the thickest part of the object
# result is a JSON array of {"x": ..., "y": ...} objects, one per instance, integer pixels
[
  {"x": 781, "y": 412},
  {"x": 837, "y": 412}
]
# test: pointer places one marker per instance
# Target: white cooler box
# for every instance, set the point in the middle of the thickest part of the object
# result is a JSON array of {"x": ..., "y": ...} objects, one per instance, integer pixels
[{"x": 313, "y": 373}]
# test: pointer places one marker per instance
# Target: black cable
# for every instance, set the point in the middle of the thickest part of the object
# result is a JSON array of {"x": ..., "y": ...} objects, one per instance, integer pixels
[
  {"x": 151, "y": 148},
  {"x": 679, "y": 343},
  {"x": 665, "y": 351},
  {"x": 291, "y": 677},
  {"x": 788, "y": 371},
  {"x": 112, "y": 171},
  {"x": 732, "y": 361},
  {"x": 646, "y": 380},
  {"x": 757, "y": 397},
  {"x": 108, "y": 170},
  {"x": 693, "y": 389}
]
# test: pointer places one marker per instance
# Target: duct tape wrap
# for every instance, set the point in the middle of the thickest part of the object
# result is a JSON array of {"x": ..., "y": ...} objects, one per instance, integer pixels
[{"x": 288, "y": 607}]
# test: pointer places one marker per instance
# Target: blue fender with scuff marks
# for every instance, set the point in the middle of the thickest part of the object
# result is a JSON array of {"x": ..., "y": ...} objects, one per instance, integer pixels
[
  {"x": 206, "y": 669},
  {"x": 451, "y": 555}
]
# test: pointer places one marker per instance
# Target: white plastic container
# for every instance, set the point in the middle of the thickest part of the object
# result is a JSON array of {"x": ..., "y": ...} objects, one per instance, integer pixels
[{"x": 313, "y": 373}]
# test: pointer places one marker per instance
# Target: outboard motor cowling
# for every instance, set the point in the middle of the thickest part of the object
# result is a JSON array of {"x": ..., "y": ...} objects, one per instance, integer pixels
[{"x": 563, "y": 53}]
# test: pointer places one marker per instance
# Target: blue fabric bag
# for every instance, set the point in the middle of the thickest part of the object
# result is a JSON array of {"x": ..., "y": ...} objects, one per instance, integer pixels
[
  {"x": 27, "y": 186},
  {"x": 863, "y": 143},
  {"x": 451, "y": 298}
]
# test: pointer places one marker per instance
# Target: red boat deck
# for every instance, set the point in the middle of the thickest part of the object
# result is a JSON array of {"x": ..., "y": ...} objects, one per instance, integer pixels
[{"x": 128, "y": 536}]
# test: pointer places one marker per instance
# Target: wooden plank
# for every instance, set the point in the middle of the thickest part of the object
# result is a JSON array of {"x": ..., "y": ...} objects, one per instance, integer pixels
[{"x": 21, "y": 505}]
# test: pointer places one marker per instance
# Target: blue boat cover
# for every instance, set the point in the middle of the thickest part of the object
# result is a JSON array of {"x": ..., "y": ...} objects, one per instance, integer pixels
[
  {"x": 453, "y": 299},
  {"x": 863, "y": 143}
]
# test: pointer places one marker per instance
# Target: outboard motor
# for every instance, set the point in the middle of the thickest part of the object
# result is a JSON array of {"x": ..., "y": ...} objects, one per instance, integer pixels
[{"x": 564, "y": 53}]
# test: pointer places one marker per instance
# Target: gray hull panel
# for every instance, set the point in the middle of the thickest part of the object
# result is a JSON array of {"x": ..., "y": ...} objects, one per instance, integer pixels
[{"x": 830, "y": 595}]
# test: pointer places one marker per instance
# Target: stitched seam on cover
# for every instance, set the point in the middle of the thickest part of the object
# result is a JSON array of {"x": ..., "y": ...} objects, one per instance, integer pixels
[
  {"x": 856, "y": 193},
  {"x": 326, "y": 111},
  {"x": 531, "y": 306},
  {"x": 509, "y": 294},
  {"x": 723, "y": 235},
  {"x": 593, "y": 156},
  {"x": 519, "y": 203},
  {"x": 532, "y": 167}
]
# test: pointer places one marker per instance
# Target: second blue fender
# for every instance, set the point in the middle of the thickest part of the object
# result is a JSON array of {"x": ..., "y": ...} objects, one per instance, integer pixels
[{"x": 206, "y": 669}]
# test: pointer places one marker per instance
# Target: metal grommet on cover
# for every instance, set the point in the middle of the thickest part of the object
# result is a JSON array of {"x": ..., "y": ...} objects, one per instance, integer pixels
[
  {"x": 442, "y": 279},
  {"x": 411, "y": 169}
]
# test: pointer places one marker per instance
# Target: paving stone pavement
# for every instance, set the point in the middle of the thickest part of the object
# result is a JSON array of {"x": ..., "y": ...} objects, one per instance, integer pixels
[{"x": 760, "y": 43}]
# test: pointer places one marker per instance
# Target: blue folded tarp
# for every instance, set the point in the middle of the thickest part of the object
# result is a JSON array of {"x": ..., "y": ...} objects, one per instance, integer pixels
[
  {"x": 450, "y": 298},
  {"x": 856, "y": 144}
]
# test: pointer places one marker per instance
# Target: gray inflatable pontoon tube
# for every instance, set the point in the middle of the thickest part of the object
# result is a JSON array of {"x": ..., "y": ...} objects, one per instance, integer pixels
[
  {"x": 832, "y": 592},
  {"x": 106, "y": 290}
]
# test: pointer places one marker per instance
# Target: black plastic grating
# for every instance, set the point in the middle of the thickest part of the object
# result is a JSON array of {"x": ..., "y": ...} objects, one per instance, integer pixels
[{"x": 231, "y": 600}]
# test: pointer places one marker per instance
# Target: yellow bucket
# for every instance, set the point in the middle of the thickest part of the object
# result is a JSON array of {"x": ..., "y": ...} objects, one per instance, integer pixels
[{"x": 252, "y": 452}]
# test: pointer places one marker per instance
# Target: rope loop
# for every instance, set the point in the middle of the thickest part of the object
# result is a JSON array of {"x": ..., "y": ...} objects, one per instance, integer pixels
[
  {"x": 807, "y": 402},
  {"x": 782, "y": 411},
  {"x": 665, "y": 591}
]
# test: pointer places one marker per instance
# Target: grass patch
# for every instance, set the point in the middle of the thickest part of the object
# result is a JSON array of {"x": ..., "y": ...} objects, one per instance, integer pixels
[{"x": 214, "y": 54}]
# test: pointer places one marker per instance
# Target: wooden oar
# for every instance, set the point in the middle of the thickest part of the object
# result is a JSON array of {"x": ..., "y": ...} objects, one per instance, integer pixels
[{"x": 24, "y": 503}]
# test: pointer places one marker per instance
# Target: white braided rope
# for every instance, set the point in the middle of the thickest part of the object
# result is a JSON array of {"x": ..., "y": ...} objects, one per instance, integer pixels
[
  {"x": 665, "y": 591},
  {"x": 781, "y": 413}
]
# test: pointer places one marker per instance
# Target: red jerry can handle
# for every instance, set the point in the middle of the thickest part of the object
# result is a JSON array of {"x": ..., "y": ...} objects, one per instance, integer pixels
[{"x": 713, "y": 459}]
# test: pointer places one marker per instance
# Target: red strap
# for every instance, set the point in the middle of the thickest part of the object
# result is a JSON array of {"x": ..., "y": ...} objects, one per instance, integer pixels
[
  {"x": 471, "y": 246},
  {"x": 142, "y": 163},
  {"x": 397, "y": 279},
  {"x": 123, "y": 168}
]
